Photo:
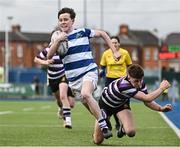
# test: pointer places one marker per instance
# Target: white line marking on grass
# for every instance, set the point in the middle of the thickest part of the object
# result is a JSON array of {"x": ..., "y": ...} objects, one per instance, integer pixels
[
  {"x": 45, "y": 107},
  {"x": 175, "y": 129},
  {"x": 31, "y": 126},
  {"x": 153, "y": 127},
  {"x": 5, "y": 112},
  {"x": 27, "y": 109}
]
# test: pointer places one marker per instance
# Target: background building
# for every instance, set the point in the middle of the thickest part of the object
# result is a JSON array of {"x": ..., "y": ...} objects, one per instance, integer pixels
[{"x": 152, "y": 53}]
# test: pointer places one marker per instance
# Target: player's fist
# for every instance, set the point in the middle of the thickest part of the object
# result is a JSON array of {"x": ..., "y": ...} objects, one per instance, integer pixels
[
  {"x": 167, "y": 107},
  {"x": 165, "y": 85}
]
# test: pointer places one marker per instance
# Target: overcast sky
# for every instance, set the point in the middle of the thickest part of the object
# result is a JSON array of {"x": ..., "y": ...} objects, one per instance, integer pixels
[{"x": 41, "y": 15}]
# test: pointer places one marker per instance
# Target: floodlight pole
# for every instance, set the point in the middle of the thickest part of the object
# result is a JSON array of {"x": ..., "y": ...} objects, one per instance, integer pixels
[
  {"x": 6, "y": 53},
  {"x": 59, "y": 5},
  {"x": 102, "y": 14},
  {"x": 85, "y": 13},
  {"x": 102, "y": 23}
]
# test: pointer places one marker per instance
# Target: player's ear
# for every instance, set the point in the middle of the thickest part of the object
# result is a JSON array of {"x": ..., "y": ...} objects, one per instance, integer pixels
[
  {"x": 73, "y": 20},
  {"x": 128, "y": 77}
]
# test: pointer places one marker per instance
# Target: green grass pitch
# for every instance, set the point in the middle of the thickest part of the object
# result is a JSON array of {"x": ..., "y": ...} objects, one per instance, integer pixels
[{"x": 35, "y": 123}]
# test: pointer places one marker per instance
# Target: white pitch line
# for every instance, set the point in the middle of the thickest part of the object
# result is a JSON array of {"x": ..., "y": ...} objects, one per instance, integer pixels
[
  {"x": 30, "y": 126},
  {"x": 175, "y": 129},
  {"x": 5, "y": 112},
  {"x": 27, "y": 109},
  {"x": 45, "y": 107}
]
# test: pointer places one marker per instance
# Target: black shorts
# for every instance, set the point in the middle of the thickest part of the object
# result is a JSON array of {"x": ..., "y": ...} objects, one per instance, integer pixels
[
  {"x": 111, "y": 111},
  {"x": 54, "y": 85}
]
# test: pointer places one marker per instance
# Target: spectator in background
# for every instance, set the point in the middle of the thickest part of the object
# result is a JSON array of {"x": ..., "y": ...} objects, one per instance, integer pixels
[
  {"x": 36, "y": 85},
  {"x": 1, "y": 74},
  {"x": 113, "y": 69},
  {"x": 174, "y": 91}
]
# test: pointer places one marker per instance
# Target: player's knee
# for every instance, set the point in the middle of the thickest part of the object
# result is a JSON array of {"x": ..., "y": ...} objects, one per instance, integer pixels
[
  {"x": 131, "y": 133},
  {"x": 98, "y": 142},
  {"x": 97, "y": 139},
  {"x": 71, "y": 102},
  {"x": 71, "y": 105},
  {"x": 85, "y": 96}
]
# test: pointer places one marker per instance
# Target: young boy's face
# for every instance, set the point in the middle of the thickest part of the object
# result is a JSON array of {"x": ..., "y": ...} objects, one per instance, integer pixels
[
  {"x": 65, "y": 22},
  {"x": 135, "y": 82}
]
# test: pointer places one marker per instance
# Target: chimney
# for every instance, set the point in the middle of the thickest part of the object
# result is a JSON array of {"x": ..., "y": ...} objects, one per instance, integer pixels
[
  {"x": 16, "y": 28},
  {"x": 123, "y": 29}
]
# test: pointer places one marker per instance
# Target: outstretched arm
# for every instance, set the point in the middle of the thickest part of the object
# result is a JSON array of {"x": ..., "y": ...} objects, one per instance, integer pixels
[
  {"x": 154, "y": 106},
  {"x": 43, "y": 62},
  {"x": 153, "y": 95},
  {"x": 107, "y": 39}
]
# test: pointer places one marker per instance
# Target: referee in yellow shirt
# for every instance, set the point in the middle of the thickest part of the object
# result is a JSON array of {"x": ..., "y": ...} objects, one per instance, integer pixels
[{"x": 113, "y": 69}]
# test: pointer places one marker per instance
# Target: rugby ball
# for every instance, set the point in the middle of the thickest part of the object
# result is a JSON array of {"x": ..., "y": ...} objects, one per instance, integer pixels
[{"x": 63, "y": 48}]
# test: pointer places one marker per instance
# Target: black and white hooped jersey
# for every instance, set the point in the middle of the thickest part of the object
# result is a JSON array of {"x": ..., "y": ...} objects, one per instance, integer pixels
[
  {"x": 120, "y": 91},
  {"x": 56, "y": 69}
]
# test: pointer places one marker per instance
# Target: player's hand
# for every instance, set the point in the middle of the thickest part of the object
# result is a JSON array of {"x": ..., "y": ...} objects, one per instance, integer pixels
[
  {"x": 165, "y": 85},
  {"x": 167, "y": 107},
  {"x": 117, "y": 55},
  {"x": 62, "y": 37},
  {"x": 49, "y": 61}
]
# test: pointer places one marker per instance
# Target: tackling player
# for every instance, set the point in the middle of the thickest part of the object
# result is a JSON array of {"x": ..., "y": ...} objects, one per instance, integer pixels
[{"x": 116, "y": 100}]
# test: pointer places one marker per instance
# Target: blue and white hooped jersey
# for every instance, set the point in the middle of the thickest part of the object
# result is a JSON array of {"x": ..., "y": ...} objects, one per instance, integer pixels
[
  {"x": 56, "y": 69},
  {"x": 79, "y": 59}
]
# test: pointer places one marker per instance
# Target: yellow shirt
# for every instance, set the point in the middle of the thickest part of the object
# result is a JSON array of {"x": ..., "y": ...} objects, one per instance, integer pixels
[{"x": 115, "y": 69}]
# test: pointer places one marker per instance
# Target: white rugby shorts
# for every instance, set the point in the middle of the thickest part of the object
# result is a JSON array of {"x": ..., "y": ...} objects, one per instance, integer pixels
[{"x": 76, "y": 86}]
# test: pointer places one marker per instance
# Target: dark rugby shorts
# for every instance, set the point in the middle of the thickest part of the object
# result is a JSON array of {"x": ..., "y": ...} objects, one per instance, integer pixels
[
  {"x": 54, "y": 85},
  {"x": 110, "y": 110}
]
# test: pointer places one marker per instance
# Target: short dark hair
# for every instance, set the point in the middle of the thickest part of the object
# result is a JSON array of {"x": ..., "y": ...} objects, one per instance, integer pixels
[
  {"x": 115, "y": 37},
  {"x": 136, "y": 71},
  {"x": 67, "y": 10}
]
